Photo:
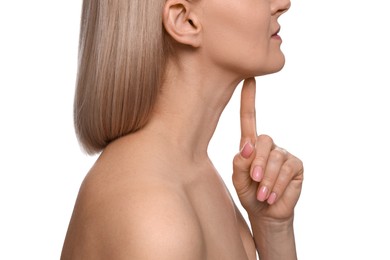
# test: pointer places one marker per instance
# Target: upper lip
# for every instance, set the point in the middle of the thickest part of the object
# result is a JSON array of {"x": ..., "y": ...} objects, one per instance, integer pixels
[{"x": 276, "y": 32}]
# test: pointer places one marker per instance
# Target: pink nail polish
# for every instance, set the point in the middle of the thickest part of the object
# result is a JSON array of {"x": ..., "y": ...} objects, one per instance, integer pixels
[
  {"x": 272, "y": 198},
  {"x": 247, "y": 150},
  {"x": 257, "y": 173},
  {"x": 263, "y": 193}
]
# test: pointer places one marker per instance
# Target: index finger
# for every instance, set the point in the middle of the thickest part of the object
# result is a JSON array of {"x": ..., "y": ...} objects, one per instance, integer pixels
[{"x": 248, "y": 112}]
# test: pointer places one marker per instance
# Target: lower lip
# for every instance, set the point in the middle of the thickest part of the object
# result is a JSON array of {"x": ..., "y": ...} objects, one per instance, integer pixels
[{"x": 276, "y": 37}]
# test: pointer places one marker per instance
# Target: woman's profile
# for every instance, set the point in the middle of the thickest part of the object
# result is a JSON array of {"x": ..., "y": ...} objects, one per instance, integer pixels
[{"x": 153, "y": 79}]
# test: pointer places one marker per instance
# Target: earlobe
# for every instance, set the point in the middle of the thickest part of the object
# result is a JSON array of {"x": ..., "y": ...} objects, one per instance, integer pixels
[{"x": 181, "y": 22}]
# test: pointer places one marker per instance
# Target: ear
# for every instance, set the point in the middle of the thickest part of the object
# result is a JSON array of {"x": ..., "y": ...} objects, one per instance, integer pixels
[{"x": 181, "y": 22}]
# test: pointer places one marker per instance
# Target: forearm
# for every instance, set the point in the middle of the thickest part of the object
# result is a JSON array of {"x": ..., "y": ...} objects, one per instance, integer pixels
[{"x": 274, "y": 241}]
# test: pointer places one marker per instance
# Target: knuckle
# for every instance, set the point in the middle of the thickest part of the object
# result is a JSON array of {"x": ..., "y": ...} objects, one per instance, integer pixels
[
  {"x": 236, "y": 162},
  {"x": 236, "y": 159},
  {"x": 301, "y": 170},
  {"x": 265, "y": 139},
  {"x": 268, "y": 180},
  {"x": 279, "y": 187},
  {"x": 299, "y": 166},
  {"x": 282, "y": 182},
  {"x": 287, "y": 169},
  {"x": 259, "y": 160},
  {"x": 278, "y": 155},
  {"x": 239, "y": 165},
  {"x": 248, "y": 114},
  {"x": 293, "y": 168}
]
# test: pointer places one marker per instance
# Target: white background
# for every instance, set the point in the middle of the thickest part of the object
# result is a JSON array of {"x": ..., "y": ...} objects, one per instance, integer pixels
[{"x": 329, "y": 106}]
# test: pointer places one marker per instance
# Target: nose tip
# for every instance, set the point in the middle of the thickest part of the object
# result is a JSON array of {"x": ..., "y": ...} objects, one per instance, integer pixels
[
  {"x": 280, "y": 6},
  {"x": 288, "y": 4}
]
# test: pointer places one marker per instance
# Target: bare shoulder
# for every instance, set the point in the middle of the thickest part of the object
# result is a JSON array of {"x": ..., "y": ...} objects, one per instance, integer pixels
[
  {"x": 124, "y": 216},
  {"x": 151, "y": 222}
]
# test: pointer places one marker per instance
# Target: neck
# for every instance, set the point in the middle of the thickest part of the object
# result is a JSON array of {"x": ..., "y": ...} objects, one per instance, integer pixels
[{"x": 189, "y": 107}]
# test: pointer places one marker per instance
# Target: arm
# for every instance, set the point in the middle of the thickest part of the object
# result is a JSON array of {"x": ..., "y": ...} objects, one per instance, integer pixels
[{"x": 268, "y": 182}]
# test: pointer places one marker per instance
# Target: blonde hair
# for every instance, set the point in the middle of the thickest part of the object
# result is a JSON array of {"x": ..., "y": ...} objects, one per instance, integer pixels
[{"x": 122, "y": 55}]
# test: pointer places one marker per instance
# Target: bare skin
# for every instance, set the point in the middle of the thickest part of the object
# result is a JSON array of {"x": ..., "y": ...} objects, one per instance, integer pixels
[
  {"x": 145, "y": 198},
  {"x": 268, "y": 181},
  {"x": 155, "y": 194},
  {"x": 172, "y": 208}
]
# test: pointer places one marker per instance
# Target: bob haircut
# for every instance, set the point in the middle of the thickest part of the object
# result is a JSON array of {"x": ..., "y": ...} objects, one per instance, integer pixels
[{"x": 122, "y": 55}]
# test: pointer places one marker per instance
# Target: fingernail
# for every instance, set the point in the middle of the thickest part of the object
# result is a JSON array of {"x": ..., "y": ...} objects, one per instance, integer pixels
[
  {"x": 247, "y": 150},
  {"x": 262, "y": 196},
  {"x": 272, "y": 198},
  {"x": 257, "y": 173}
]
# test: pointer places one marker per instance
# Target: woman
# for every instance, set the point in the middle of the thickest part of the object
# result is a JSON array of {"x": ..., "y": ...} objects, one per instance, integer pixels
[{"x": 154, "y": 77}]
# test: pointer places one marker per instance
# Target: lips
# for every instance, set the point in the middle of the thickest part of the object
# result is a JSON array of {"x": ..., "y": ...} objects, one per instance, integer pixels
[{"x": 276, "y": 32}]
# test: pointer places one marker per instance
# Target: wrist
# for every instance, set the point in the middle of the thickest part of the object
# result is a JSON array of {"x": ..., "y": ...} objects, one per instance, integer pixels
[
  {"x": 272, "y": 221},
  {"x": 273, "y": 232},
  {"x": 272, "y": 225},
  {"x": 274, "y": 239}
]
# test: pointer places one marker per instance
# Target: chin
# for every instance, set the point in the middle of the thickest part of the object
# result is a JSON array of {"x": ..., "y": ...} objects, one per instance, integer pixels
[
  {"x": 277, "y": 68},
  {"x": 270, "y": 67},
  {"x": 255, "y": 68}
]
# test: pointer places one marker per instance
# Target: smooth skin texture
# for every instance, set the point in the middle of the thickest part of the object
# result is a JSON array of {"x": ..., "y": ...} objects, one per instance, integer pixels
[
  {"x": 155, "y": 194},
  {"x": 245, "y": 27}
]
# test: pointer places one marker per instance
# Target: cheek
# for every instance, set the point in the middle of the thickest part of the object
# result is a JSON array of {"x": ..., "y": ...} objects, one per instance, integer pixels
[
  {"x": 251, "y": 34},
  {"x": 236, "y": 24},
  {"x": 255, "y": 53},
  {"x": 241, "y": 42},
  {"x": 237, "y": 37}
]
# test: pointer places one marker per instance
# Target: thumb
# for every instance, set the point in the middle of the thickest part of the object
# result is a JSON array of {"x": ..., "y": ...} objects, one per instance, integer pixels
[{"x": 241, "y": 167}]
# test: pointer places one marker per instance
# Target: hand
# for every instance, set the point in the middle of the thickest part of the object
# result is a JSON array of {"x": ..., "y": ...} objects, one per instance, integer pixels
[{"x": 267, "y": 178}]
